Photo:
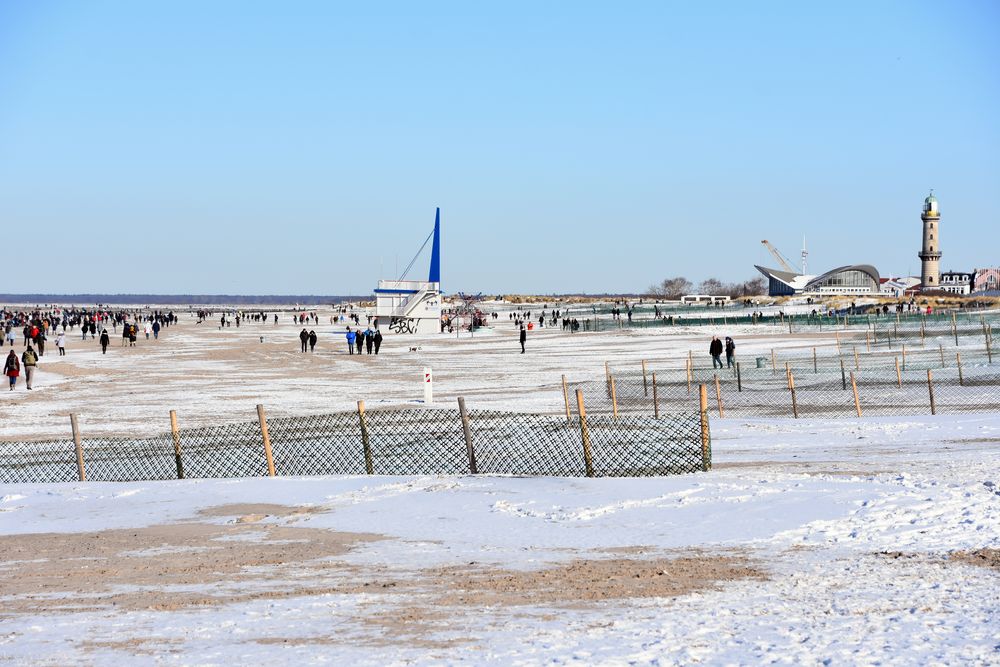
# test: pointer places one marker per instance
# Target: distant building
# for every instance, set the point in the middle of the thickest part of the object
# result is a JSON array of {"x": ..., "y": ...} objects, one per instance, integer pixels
[
  {"x": 986, "y": 280},
  {"x": 899, "y": 287},
  {"x": 957, "y": 282},
  {"x": 855, "y": 279}
]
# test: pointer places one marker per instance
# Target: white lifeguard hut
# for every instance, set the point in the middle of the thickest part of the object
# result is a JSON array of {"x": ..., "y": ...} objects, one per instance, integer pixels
[{"x": 413, "y": 306}]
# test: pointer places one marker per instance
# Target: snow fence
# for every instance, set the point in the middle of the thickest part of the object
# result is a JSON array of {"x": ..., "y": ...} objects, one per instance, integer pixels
[{"x": 380, "y": 442}]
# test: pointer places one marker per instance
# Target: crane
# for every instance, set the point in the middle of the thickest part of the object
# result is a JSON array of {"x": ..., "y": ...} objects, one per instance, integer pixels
[{"x": 785, "y": 264}]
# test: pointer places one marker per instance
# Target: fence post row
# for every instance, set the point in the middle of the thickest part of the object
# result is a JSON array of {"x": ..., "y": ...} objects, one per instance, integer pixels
[
  {"x": 706, "y": 456},
  {"x": 930, "y": 390},
  {"x": 468, "y": 434},
  {"x": 81, "y": 473},
  {"x": 656, "y": 401},
  {"x": 857, "y": 401},
  {"x": 176, "y": 436},
  {"x": 262, "y": 418},
  {"x": 569, "y": 419},
  {"x": 585, "y": 434},
  {"x": 718, "y": 396},
  {"x": 614, "y": 399},
  {"x": 365, "y": 443}
]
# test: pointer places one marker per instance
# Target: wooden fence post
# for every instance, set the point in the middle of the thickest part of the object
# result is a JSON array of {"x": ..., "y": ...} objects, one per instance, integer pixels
[
  {"x": 857, "y": 401},
  {"x": 791, "y": 389},
  {"x": 954, "y": 327},
  {"x": 656, "y": 401},
  {"x": 838, "y": 342},
  {"x": 176, "y": 435},
  {"x": 566, "y": 399},
  {"x": 904, "y": 357},
  {"x": 645, "y": 384},
  {"x": 587, "y": 460},
  {"x": 843, "y": 376},
  {"x": 81, "y": 473},
  {"x": 774, "y": 362},
  {"x": 857, "y": 366},
  {"x": 739, "y": 378},
  {"x": 689, "y": 375},
  {"x": 468, "y": 435},
  {"x": 614, "y": 399},
  {"x": 958, "y": 360},
  {"x": 941, "y": 350},
  {"x": 930, "y": 390},
  {"x": 267, "y": 440},
  {"x": 989, "y": 351},
  {"x": 365, "y": 442},
  {"x": 607, "y": 378},
  {"x": 899, "y": 378},
  {"x": 815, "y": 368},
  {"x": 706, "y": 455},
  {"x": 718, "y": 397}
]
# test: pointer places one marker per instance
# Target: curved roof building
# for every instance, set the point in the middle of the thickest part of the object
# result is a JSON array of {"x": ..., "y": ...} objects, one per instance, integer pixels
[{"x": 850, "y": 279}]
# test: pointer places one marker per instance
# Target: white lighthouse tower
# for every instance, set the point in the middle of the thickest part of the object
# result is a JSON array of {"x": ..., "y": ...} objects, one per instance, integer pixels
[{"x": 930, "y": 254}]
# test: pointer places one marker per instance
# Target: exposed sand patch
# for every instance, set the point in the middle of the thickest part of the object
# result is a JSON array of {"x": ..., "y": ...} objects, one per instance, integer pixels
[{"x": 982, "y": 557}]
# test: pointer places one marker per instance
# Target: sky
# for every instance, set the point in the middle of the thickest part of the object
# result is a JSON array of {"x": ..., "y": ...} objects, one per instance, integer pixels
[{"x": 302, "y": 147}]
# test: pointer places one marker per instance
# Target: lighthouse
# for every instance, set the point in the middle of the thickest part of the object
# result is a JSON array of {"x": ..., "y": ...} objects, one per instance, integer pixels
[{"x": 930, "y": 254}]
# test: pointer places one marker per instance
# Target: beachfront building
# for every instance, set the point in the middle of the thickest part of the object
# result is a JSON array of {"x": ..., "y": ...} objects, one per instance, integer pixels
[
  {"x": 986, "y": 280},
  {"x": 853, "y": 279},
  {"x": 957, "y": 282}
]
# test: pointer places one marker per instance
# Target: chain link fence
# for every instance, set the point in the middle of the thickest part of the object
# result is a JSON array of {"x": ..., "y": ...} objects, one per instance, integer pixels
[
  {"x": 852, "y": 384},
  {"x": 383, "y": 442}
]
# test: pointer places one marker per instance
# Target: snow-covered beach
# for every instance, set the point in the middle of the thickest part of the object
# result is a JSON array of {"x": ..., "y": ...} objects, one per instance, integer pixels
[{"x": 811, "y": 541}]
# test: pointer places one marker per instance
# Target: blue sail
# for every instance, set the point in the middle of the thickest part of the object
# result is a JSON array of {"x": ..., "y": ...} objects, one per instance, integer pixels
[{"x": 435, "y": 274}]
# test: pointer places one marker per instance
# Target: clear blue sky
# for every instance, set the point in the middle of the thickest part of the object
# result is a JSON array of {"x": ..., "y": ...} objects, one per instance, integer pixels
[{"x": 294, "y": 147}]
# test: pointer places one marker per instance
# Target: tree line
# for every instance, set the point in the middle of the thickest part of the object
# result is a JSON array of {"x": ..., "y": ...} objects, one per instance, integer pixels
[{"x": 675, "y": 288}]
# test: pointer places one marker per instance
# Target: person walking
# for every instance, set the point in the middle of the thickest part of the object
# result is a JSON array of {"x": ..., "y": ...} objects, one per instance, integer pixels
[
  {"x": 360, "y": 341},
  {"x": 304, "y": 339},
  {"x": 377, "y": 341},
  {"x": 156, "y": 330},
  {"x": 369, "y": 340},
  {"x": 12, "y": 368},
  {"x": 147, "y": 329},
  {"x": 730, "y": 352},
  {"x": 30, "y": 360},
  {"x": 105, "y": 340},
  {"x": 40, "y": 343},
  {"x": 61, "y": 343},
  {"x": 523, "y": 338},
  {"x": 312, "y": 340},
  {"x": 715, "y": 349},
  {"x": 350, "y": 340}
]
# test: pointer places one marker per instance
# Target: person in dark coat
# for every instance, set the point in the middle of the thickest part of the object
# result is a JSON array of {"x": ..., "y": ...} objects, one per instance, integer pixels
[
  {"x": 377, "y": 340},
  {"x": 12, "y": 368},
  {"x": 312, "y": 340},
  {"x": 304, "y": 339},
  {"x": 730, "y": 352},
  {"x": 359, "y": 341},
  {"x": 715, "y": 349},
  {"x": 524, "y": 337},
  {"x": 105, "y": 340}
]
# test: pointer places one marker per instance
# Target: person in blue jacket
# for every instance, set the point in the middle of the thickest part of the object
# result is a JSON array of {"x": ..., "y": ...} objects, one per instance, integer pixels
[{"x": 350, "y": 340}]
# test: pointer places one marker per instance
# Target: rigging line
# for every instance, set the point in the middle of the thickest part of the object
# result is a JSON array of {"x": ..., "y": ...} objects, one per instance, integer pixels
[{"x": 410, "y": 265}]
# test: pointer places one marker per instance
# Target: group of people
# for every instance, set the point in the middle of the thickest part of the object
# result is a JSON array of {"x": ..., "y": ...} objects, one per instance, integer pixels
[
  {"x": 12, "y": 367},
  {"x": 717, "y": 347},
  {"x": 368, "y": 340}
]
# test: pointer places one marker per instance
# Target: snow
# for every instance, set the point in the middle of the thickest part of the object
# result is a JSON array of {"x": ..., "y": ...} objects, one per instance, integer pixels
[
  {"x": 853, "y": 522},
  {"x": 813, "y": 503}
]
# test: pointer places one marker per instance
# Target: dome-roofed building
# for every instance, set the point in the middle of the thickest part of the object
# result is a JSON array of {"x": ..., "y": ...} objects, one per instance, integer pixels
[{"x": 858, "y": 279}]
